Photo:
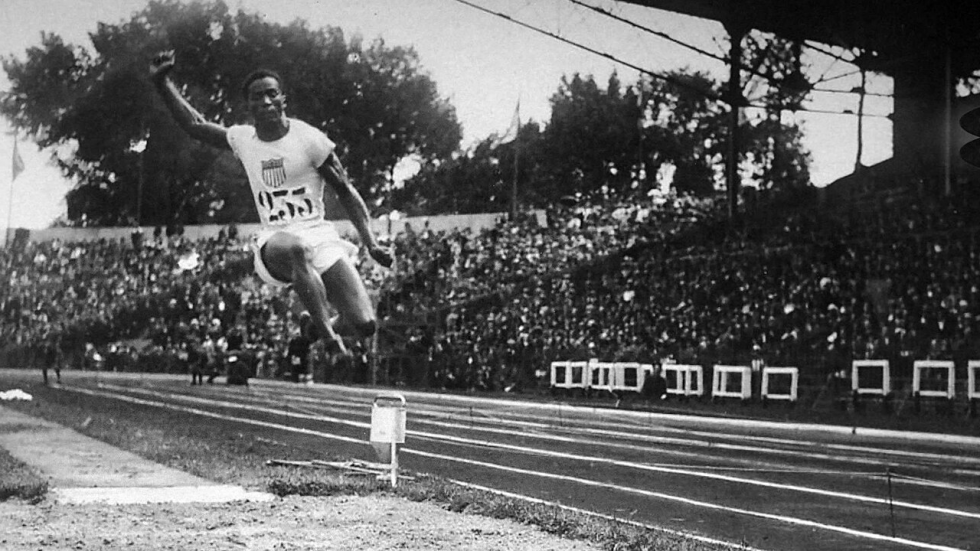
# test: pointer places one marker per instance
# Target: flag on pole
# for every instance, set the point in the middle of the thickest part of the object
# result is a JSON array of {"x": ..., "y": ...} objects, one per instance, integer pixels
[
  {"x": 18, "y": 162},
  {"x": 515, "y": 125}
]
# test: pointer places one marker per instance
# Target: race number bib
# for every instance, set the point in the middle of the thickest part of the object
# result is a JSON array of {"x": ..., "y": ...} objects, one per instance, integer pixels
[{"x": 286, "y": 205}]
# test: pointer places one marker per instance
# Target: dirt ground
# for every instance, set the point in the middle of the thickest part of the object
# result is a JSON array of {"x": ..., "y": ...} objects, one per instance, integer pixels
[
  {"x": 291, "y": 523},
  {"x": 71, "y": 461}
]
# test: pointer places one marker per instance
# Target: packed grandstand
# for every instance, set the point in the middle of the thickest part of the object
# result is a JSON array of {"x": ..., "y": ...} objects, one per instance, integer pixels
[{"x": 649, "y": 279}]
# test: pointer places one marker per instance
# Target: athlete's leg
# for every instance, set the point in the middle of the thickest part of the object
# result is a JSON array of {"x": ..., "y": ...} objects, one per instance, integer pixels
[
  {"x": 347, "y": 293},
  {"x": 288, "y": 259}
]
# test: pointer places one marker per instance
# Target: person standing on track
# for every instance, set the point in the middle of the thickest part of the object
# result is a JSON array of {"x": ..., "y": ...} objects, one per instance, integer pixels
[
  {"x": 289, "y": 164},
  {"x": 53, "y": 356},
  {"x": 298, "y": 351},
  {"x": 196, "y": 359}
]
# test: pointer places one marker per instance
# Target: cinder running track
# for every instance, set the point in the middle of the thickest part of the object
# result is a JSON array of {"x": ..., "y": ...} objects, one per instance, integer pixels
[{"x": 763, "y": 485}]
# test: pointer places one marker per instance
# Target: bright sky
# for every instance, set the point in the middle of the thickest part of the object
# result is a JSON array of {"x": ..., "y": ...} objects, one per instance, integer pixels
[{"x": 481, "y": 62}]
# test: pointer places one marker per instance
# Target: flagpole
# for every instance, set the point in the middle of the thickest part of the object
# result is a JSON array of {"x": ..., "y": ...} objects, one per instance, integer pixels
[
  {"x": 10, "y": 211},
  {"x": 513, "y": 191},
  {"x": 517, "y": 157},
  {"x": 15, "y": 170}
]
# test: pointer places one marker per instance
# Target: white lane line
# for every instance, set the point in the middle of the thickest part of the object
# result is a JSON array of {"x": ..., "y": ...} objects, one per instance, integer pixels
[
  {"x": 675, "y": 417},
  {"x": 318, "y": 414},
  {"x": 211, "y": 414},
  {"x": 668, "y": 497},
  {"x": 586, "y": 512},
  {"x": 647, "y": 493},
  {"x": 926, "y": 456},
  {"x": 590, "y": 458},
  {"x": 323, "y": 403},
  {"x": 707, "y": 475}
]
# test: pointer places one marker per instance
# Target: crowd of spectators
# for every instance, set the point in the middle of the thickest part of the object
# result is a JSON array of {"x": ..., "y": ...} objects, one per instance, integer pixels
[
  {"x": 644, "y": 278},
  {"x": 479, "y": 293},
  {"x": 816, "y": 289}
]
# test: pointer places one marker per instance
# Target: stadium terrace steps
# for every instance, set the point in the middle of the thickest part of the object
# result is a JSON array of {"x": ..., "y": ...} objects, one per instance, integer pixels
[{"x": 81, "y": 469}]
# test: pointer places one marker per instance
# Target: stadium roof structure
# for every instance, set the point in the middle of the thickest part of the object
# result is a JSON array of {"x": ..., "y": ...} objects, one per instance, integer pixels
[
  {"x": 893, "y": 32},
  {"x": 924, "y": 46}
]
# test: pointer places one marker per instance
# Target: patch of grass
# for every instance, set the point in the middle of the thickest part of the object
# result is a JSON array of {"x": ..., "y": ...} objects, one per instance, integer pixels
[
  {"x": 12, "y": 428},
  {"x": 210, "y": 449},
  {"x": 565, "y": 523},
  {"x": 304, "y": 482},
  {"x": 225, "y": 452},
  {"x": 19, "y": 481}
]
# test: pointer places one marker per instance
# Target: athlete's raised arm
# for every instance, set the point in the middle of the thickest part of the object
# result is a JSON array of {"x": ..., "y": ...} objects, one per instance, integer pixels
[{"x": 190, "y": 119}]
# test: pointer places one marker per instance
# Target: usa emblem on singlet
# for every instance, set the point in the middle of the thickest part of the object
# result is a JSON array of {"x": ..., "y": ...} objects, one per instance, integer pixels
[{"x": 273, "y": 172}]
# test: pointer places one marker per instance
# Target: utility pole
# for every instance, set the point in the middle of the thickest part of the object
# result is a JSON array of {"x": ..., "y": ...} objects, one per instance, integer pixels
[{"x": 736, "y": 30}]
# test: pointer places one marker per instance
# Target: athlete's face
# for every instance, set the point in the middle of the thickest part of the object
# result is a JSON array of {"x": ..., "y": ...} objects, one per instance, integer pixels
[{"x": 266, "y": 102}]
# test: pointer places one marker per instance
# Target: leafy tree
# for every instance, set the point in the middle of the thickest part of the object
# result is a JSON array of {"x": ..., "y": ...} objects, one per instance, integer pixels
[
  {"x": 471, "y": 182},
  {"x": 776, "y": 155},
  {"x": 374, "y": 101},
  {"x": 685, "y": 129},
  {"x": 592, "y": 139},
  {"x": 620, "y": 137},
  {"x": 616, "y": 138},
  {"x": 774, "y": 150}
]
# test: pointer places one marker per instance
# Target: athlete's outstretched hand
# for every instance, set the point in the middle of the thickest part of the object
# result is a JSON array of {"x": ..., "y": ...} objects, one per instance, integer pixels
[
  {"x": 162, "y": 64},
  {"x": 382, "y": 255}
]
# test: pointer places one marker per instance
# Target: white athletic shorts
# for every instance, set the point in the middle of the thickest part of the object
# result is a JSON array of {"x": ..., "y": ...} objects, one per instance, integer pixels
[{"x": 322, "y": 238}]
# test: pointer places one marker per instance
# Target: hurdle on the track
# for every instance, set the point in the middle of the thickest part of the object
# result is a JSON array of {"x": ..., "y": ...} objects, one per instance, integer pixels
[
  {"x": 934, "y": 378},
  {"x": 600, "y": 375},
  {"x": 732, "y": 381},
  {"x": 871, "y": 377},
  {"x": 596, "y": 375},
  {"x": 388, "y": 430},
  {"x": 683, "y": 379},
  {"x": 618, "y": 376},
  {"x": 769, "y": 373},
  {"x": 629, "y": 376},
  {"x": 972, "y": 388},
  {"x": 569, "y": 375}
]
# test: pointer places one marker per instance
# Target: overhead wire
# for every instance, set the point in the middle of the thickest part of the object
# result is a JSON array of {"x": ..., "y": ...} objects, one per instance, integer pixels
[
  {"x": 667, "y": 37},
  {"x": 837, "y": 57},
  {"x": 655, "y": 32},
  {"x": 714, "y": 56},
  {"x": 849, "y": 92},
  {"x": 654, "y": 74},
  {"x": 839, "y": 76},
  {"x": 660, "y": 76},
  {"x": 823, "y": 75},
  {"x": 819, "y": 48}
]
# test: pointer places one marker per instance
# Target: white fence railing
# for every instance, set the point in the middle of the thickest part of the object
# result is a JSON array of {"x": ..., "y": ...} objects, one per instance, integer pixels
[
  {"x": 732, "y": 381},
  {"x": 683, "y": 379},
  {"x": 871, "y": 377},
  {"x": 596, "y": 375},
  {"x": 934, "y": 378},
  {"x": 930, "y": 378},
  {"x": 780, "y": 373}
]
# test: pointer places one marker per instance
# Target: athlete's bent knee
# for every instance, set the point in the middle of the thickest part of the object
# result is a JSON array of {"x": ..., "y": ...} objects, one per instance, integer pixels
[
  {"x": 299, "y": 253},
  {"x": 367, "y": 328}
]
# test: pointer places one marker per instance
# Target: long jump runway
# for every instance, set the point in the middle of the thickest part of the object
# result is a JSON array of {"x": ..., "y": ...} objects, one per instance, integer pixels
[{"x": 760, "y": 485}]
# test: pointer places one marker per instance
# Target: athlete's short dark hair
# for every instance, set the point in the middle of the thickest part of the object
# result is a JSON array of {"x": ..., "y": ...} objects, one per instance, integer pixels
[{"x": 260, "y": 74}]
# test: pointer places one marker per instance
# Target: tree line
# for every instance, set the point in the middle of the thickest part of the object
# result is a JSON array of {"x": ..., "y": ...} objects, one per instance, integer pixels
[{"x": 130, "y": 163}]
